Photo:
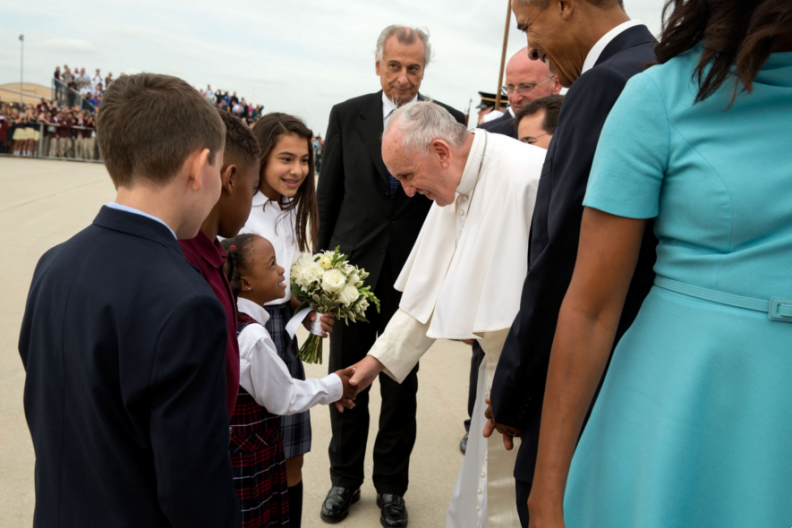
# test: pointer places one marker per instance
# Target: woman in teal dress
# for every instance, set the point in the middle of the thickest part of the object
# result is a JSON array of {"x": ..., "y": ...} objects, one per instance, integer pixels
[{"x": 692, "y": 426}]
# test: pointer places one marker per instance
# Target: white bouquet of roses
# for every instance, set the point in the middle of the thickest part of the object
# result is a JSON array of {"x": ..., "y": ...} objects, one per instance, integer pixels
[{"x": 327, "y": 282}]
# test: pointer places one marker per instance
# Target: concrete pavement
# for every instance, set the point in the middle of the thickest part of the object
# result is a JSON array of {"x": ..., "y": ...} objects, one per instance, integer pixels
[{"x": 44, "y": 203}]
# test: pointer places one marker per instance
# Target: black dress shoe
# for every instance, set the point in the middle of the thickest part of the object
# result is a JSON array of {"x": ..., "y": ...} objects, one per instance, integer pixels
[
  {"x": 335, "y": 507},
  {"x": 394, "y": 510},
  {"x": 463, "y": 443}
]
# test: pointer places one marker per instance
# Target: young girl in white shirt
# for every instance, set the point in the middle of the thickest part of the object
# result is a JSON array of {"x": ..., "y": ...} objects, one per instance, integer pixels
[
  {"x": 285, "y": 213},
  {"x": 267, "y": 389}
]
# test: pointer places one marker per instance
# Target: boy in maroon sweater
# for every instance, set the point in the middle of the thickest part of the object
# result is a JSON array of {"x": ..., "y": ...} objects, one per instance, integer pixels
[{"x": 240, "y": 179}]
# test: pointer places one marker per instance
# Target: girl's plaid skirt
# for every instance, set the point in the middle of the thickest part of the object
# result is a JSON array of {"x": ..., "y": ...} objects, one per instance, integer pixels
[
  {"x": 258, "y": 464},
  {"x": 296, "y": 429}
]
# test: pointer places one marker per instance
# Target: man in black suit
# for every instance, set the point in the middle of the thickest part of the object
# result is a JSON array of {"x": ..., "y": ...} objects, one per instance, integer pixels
[
  {"x": 593, "y": 44},
  {"x": 363, "y": 209},
  {"x": 124, "y": 342},
  {"x": 526, "y": 81}
]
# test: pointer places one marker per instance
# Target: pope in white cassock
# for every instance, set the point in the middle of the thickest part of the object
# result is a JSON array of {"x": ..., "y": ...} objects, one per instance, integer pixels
[{"x": 462, "y": 279}]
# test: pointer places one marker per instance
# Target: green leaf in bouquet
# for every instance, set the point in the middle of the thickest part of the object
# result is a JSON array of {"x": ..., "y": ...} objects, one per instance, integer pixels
[{"x": 303, "y": 305}]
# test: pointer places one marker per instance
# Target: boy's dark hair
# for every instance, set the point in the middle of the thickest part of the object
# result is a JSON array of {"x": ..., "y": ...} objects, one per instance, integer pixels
[
  {"x": 241, "y": 146},
  {"x": 149, "y": 124},
  {"x": 268, "y": 130},
  {"x": 239, "y": 252},
  {"x": 551, "y": 105}
]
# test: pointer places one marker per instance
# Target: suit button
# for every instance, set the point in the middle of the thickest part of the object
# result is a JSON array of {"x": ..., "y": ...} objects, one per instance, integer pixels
[{"x": 382, "y": 249}]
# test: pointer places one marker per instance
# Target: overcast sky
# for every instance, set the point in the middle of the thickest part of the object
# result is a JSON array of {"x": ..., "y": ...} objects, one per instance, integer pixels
[{"x": 295, "y": 57}]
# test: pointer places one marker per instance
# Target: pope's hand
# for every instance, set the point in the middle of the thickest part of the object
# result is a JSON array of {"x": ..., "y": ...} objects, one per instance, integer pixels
[
  {"x": 366, "y": 371},
  {"x": 508, "y": 432}
]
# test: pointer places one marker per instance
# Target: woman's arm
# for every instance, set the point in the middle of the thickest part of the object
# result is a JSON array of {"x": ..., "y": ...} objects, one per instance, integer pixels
[{"x": 587, "y": 323}]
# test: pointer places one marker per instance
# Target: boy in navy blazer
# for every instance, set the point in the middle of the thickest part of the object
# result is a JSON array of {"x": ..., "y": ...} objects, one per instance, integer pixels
[{"x": 124, "y": 342}]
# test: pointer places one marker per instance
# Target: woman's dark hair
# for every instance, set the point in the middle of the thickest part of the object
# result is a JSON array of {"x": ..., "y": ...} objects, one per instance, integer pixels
[
  {"x": 239, "y": 258},
  {"x": 736, "y": 34},
  {"x": 268, "y": 130}
]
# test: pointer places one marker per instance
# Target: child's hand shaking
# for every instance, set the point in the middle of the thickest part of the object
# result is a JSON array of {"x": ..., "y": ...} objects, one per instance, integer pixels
[{"x": 350, "y": 392}]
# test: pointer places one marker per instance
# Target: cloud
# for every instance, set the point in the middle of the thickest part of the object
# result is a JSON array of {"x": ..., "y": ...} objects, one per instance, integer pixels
[{"x": 66, "y": 45}]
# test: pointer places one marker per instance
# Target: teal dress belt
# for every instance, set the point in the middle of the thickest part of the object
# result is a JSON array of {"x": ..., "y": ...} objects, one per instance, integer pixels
[{"x": 776, "y": 309}]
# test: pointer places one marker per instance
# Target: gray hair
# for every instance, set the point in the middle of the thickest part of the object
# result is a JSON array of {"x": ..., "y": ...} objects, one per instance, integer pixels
[
  {"x": 405, "y": 35},
  {"x": 423, "y": 122}
]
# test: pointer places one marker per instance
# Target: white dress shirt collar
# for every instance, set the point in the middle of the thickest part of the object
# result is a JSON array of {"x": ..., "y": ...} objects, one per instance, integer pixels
[
  {"x": 125, "y": 208},
  {"x": 254, "y": 310},
  {"x": 388, "y": 106},
  {"x": 594, "y": 55},
  {"x": 511, "y": 112},
  {"x": 260, "y": 199},
  {"x": 469, "y": 176}
]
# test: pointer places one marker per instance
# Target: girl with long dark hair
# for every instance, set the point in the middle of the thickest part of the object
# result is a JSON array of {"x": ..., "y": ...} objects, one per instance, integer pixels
[{"x": 692, "y": 423}]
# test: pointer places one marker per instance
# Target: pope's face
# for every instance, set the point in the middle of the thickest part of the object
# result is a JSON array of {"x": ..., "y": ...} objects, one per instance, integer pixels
[{"x": 420, "y": 172}]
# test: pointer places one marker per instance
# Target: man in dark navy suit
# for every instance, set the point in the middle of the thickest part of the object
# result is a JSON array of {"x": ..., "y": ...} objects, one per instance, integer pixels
[
  {"x": 594, "y": 48},
  {"x": 526, "y": 81},
  {"x": 124, "y": 342},
  {"x": 364, "y": 210}
]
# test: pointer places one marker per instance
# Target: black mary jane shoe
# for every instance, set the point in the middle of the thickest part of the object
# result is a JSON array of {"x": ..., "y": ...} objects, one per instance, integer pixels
[
  {"x": 335, "y": 507},
  {"x": 394, "y": 510}
]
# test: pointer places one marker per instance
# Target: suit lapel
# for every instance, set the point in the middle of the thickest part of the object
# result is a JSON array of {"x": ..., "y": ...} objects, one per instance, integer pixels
[{"x": 370, "y": 127}]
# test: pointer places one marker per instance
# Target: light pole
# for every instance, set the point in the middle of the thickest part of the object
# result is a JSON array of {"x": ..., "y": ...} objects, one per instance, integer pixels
[{"x": 21, "y": 69}]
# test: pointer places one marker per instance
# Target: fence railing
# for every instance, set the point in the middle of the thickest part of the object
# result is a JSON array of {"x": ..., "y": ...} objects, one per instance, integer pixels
[{"x": 75, "y": 143}]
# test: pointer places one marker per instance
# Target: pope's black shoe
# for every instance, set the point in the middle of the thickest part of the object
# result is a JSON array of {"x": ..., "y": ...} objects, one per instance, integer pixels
[
  {"x": 335, "y": 507},
  {"x": 394, "y": 510}
]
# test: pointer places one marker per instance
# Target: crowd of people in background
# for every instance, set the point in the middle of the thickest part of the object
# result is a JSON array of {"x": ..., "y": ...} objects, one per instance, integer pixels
[
  {"x": 247, "y": 112},
  {"x": 80, "y": 88},
  {"x": 48, "y": 129},
  {"x": 65, "y": 125}
]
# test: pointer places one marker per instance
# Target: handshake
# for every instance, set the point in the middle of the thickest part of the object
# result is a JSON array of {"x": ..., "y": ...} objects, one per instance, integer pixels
[
  {"x": 350, "y": 391},
  {"x": 357, "y": 378}
]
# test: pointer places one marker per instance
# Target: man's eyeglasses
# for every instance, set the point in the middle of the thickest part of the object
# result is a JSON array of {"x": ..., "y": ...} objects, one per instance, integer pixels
[
  {"x": 532, "y": 139},
  {"x": 523, "y": 89}
]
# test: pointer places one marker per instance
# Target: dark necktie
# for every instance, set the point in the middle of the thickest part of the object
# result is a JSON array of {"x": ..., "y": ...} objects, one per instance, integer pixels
[{"x": 394, "y": 183}]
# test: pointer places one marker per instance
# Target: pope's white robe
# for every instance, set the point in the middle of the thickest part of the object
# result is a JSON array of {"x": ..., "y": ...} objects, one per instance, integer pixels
[{"x": 463, "y": 281}]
